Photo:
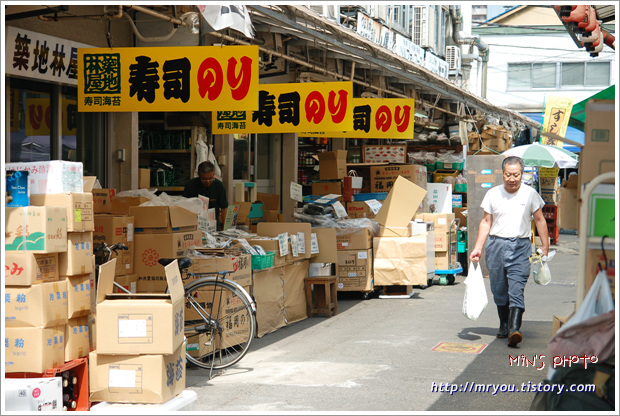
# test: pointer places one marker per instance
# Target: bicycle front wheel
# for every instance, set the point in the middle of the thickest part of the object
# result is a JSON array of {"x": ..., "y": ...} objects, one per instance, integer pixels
[{"x": 219, "y": 323}]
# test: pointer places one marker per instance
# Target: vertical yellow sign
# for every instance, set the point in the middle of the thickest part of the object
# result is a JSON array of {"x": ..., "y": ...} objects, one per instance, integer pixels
[{"x": 556, "y": 117}]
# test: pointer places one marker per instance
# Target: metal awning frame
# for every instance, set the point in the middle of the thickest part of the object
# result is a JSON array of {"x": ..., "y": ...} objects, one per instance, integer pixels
[{"x": 300, "y": 21}]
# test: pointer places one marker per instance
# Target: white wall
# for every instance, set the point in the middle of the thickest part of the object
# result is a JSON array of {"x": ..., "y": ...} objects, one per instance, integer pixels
[{"x": 535, "y": 48}]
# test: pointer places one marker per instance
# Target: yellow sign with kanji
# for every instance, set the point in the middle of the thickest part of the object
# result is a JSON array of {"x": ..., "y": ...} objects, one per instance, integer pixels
[
  {"x": 183, "y": 78},
  {"x": 459, "y": 347},
  {"x": 377, "y": 118},
  {"x": 556, "y": 117},
  {"x": 38, "y": 117},
  {"x": 292, "y": 108}
]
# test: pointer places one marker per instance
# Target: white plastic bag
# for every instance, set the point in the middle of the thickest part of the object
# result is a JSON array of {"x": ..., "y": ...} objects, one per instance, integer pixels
[
  {"x": 211, "y": 158},
  {"x": 475, "y": 299},
  {"x": 540, "y": 267}
]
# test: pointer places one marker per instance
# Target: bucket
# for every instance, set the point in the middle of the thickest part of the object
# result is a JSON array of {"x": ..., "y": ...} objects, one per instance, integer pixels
[{"x": 17, "y": 191}]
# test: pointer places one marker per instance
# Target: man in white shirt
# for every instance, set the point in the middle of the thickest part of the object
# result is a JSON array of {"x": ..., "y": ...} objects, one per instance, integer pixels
[{"x": 508, "y": 212}]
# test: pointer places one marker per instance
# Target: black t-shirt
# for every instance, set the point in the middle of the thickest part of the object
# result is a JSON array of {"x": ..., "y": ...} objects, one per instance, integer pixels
[{"x": 216, "y": 193}]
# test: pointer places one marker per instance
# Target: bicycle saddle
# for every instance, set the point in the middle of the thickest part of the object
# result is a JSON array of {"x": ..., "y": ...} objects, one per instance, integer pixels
[{"x": 184, "y": 262}]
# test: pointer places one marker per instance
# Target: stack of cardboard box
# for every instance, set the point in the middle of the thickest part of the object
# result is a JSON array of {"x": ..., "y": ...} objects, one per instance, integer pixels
[
  {"x": 140, "y": 348},
  {"x": 494, "y": 138},
  {"x": 400, "y": 259},
  {"x": 160, "y": 232},
  {"x": 444, "y": 237},
  {"x": 49, "y": 273}
]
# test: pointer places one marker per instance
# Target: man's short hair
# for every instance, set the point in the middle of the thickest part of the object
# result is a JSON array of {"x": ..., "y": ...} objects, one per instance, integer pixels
[
  {"x": 513, "y": 160},
  {"x": 206, "y": 167}
]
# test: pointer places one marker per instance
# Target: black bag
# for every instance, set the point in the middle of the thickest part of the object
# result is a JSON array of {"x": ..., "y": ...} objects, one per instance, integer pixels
[{"x": 600, "y": 375}]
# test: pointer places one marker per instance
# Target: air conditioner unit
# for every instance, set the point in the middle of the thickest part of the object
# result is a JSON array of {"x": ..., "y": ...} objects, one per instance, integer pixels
[
  {"x": 424, "y": 27},
  {"x": 453, "y": 57},
  {"x": 330, "y": 11}
]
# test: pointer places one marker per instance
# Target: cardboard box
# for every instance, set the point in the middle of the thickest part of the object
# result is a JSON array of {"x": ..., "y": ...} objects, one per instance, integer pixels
[
  {"x": 295, "y": 291},
  {"x": 128, "y": 281},
  {"x": 33, "y": 394},
  {"x": 270, "y": 201},
  {"x": 163, "y": 219},
  {"x": 401, "y": 204},
  {"x": 442, "y": 222},
  {"x": 354, "y": 270},
  {"x": 558, "y": 321},
  {"x": 144, "y": 178},
  {"x": 78, "y": 259},
  {"x": 149, "y": 248},
  {"x": 359, "y": 239},
  {"x": 302, "y": 230},
  {"x": 333, "y": 165},
  {"x": 51, "y": 176},
  {"x": 394, "y": 231},
  {"x": 326, "y": 238},
  {"x": 33, "y": 349},
  {"x": 43, "y": 305},
  {"x": 568, "y": 208},
  {"x": 113, "y": 229},
  {"x": 461, "y": 214},
  {"x": 79, "y": 208},
  {"x": 102, "y": 200},
  {"x": 359, "y": 209},
  {"x": 382, "y": 178},
  {"x": 151, "y": 378},
  {"x": 121, "y": 204},
  {"x": 443, "y": 240},
  {"x": 268, "y": 292},
  {"x": 385, "y": 153},
  {"x": 46, "y": 229},
  {"x": 26, "y": 269},
  {"x": 443, "y": 260},
  {"x": 77, "y": 344},
  {"x": 327, "y": 188},
  {"x": 400, "y": 260},
  {"x": 139, "y": 323},
  {"x": 240, "y": 265},
  {"x": 79, "y": 292},
  {"x": 598, "y": 155}
]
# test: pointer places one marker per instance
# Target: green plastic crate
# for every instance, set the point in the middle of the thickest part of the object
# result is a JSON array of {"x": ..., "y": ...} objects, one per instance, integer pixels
[
  {"x": 449, "y": 165},
  {"x": 460, "y": 187},
  {"x": 260, "y": 262}
]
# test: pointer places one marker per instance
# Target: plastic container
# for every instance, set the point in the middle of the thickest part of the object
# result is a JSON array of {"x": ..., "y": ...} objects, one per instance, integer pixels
[
  {"x": 440, "y": 174},
  {"x": 260, "y": 262},
  {"x": 379, "y": 196},
  {"x": 449, "y": 165}
]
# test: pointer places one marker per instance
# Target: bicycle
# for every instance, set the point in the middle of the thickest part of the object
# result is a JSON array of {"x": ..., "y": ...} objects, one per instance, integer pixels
[
  {"x": 220, "y": 317},
  {"x": 102, "y": 253}
]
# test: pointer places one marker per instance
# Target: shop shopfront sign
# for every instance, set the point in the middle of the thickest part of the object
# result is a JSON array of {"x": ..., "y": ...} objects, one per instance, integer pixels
[
  {"x": 42, "y": 57},
  {"x": 292, "y": 108},
  {"x": 557, "y": 114},
  {"x": 184, "y": 78},
  {"x": 377, "y": 118}
]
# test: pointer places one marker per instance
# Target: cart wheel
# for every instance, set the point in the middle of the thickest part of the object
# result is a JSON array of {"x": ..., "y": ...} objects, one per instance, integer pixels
[
  {"x": 366, "y": 295},
  {"x": 451, "y": 279},
  {"x": 429, "y": 282},
  {"x": 443, "y": 280}
]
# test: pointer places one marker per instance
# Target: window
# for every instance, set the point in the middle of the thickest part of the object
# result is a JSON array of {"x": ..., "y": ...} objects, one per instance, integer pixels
[
  {"x": 32, "y": 127},
  {"x": 560, "y": 75}
]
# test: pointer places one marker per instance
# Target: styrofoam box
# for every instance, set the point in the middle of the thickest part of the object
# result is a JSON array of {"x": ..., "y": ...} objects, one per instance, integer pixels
[
  {"x": 33, "y": 394},
  {"x": 320, "y": 270},
  {"x": 51, "y": 176},
  {"x": 185, "y": 401}
]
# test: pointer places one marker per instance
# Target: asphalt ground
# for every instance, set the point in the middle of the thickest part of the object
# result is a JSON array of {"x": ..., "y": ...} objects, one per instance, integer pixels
[{"x": 383, "y": 355}]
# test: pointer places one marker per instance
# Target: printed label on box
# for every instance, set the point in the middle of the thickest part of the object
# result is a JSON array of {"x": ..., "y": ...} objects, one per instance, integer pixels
[
  {"x": 295, "y": 245},
  {"x": 283, "y": 243},
  {"x": 301, "y": 238},
  {"x": 314, "y": 244}
]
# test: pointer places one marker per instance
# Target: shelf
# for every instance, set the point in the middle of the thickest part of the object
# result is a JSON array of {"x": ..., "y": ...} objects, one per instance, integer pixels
[{"x": 182, "y": 151}]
